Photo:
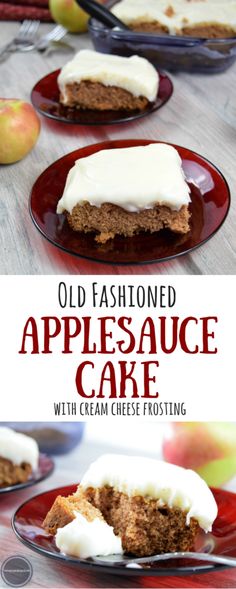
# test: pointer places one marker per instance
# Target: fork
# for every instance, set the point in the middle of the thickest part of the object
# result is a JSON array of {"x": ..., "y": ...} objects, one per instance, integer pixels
[
  {"x": 114, "y": 560},
  {"x": 24, "y": 37},
  {"x": 55, "y": 35}
]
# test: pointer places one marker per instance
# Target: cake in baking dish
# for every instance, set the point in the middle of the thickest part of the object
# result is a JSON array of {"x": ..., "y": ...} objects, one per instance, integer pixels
[
  {"x": 124, "y": 191},
  {"x": 95, "y": 81},
  {"x": 140, "y": 506},
  {"x": 19, "y": 456},
  {"x": 197, "y": 18}
]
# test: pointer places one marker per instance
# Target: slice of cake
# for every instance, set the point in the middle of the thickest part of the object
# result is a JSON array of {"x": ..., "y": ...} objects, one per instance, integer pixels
[
  {"x": 19, "y": 456},
  {"x": 97, "y": 81},
  {"x": 126, "y": 191},
  {"x": 198, "y": 18},
  {"x": 152, "y": 507}
]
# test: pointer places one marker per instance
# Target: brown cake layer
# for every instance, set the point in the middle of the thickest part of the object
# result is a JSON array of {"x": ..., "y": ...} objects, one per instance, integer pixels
[
  {"x": 63, "y": 509},
  {"x": 110, "y": 220},
  {"x": 208, "y": 31},
  {"x": 213, "y": 31},
  {"x": 143, "y": 526},
  {"x": 95, "y": 96},
  {"x": 12, "y": 474},
  {"x": 149, "y": 27}
]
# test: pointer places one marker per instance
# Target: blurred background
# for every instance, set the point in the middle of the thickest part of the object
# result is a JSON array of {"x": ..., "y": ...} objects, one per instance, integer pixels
[{"x": 207, "y": 447}]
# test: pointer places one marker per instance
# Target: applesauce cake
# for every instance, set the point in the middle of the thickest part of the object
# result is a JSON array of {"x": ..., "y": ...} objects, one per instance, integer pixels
[
  {"x": 150, "y": 506},
  {"x": 95, "y": 81},
  {"x": 196, "y": 18},
  {"x": 18, "y": 457},
  {"x": 124, "y": 191}
]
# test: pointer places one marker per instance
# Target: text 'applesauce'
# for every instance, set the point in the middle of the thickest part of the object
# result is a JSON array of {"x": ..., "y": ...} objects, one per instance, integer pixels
[{"x": 107, "y": 336}]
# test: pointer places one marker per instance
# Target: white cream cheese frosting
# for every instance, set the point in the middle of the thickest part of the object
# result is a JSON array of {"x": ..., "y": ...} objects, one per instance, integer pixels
[
  {"x": 134, "y": 178},
  {"x": 142, "y": 11},
  {"x": 134, "y": 74},
  {"x": 18, "y": 448},
  {"x": 83, "y": 538},
  {"x": 171, "y": 485},
  {"x": 175, "y": 14}
]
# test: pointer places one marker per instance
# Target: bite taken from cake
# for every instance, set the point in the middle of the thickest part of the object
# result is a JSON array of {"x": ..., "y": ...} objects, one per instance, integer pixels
[
  {"x": 124, "y": 191},
  {"x": 19, "y": 455},
  {"x": 95, "y": 81},
  {"x": 133, "y": 505}
]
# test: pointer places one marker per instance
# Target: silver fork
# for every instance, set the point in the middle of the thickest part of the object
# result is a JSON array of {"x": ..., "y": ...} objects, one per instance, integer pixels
[
  {"x": 114, "y": 560},
  {"x": 24, "y": 37},
  {"x": 56, "y": 34}
]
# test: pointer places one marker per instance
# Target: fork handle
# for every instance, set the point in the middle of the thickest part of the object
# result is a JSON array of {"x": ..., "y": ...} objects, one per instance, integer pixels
[
  {"x": 207, "y": 557},
  {"x": 6, "y": 48}
]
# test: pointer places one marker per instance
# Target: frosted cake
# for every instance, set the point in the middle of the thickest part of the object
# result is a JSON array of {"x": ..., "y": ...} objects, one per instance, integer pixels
[
  {"x": 127, "y": 190},
  {"x": 197, "y": 18},
  {"x": 19, "y": 456},
  {"x": 96, "y": 81},
  {"x": 140, "y": 506}
]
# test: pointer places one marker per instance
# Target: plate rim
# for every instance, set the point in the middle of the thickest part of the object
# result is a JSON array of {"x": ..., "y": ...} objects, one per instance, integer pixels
[
  {"x": 133, "y": 263},
  {"x": 128, "y": 119},
  {"x": 30, "y": 482},
  {"x": 95, "y": 567}
]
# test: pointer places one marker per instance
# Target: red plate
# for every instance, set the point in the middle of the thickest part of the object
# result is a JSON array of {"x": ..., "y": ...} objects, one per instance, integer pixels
[
  {"x": 210, "y": 204},
  {"x": 45, "y": 98},
  {"x": 45, "y": 468},
  {"x": 28, "y": 519}
]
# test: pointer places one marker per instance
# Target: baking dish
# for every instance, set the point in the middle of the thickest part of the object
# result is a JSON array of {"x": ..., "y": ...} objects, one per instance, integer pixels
[{"x": 166, "y": 51}]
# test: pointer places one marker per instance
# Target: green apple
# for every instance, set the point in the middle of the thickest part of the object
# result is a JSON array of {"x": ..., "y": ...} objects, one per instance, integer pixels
[
  {"x": 19, "y": 129},
  {"x": 70, "y": 15},
  {"x": 208, "y": 448}
]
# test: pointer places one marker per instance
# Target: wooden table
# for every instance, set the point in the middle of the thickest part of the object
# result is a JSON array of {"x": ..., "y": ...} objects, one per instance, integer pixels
[
  {"x": 201, "y": 115},
  {"x": 49, "y": 574}
]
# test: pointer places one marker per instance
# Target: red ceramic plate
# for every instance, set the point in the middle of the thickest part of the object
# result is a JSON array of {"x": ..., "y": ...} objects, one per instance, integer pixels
[
  {"x": 210, "y": 204},
  {"x": 45, "y": 98},
  {"x": 45, "y": 468},
  {"x": 28, "y": 519}
]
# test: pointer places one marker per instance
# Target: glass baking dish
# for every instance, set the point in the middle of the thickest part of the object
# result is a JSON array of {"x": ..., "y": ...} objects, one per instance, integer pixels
[{"x": 166, "y": 51}]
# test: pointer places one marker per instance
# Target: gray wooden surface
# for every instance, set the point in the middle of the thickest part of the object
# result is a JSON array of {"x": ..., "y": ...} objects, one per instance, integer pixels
[{"x": 201, "y": 115}]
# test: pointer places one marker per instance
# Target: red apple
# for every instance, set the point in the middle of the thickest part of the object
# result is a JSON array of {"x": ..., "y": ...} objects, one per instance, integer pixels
[
  {"x": 19, "y": 129},
  {"x": 208, "y": 448}
]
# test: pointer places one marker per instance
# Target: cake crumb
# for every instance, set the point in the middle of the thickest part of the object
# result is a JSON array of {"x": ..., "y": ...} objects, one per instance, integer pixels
[{"x": 169, "y": 11}]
